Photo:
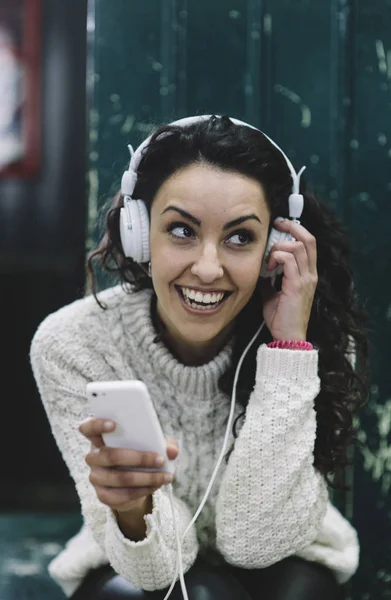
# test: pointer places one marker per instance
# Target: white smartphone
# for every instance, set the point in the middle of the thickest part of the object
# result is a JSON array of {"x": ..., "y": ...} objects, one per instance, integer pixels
[{"x": 130, "y": 406}]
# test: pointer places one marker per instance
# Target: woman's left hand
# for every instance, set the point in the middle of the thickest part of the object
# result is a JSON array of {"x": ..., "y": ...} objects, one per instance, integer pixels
[{"x": 287, "y": 312}]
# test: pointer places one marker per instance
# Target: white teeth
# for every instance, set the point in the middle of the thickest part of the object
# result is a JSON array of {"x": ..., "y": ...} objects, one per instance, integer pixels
[{"x": 199, "y": 298}]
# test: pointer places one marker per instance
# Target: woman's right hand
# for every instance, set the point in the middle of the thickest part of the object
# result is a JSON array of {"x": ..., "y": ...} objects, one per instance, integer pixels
[{"x": 119, "y": 489}]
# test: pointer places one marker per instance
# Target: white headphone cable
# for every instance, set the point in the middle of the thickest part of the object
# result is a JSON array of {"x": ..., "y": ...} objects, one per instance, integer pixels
[{"x": 179, "y": 564}]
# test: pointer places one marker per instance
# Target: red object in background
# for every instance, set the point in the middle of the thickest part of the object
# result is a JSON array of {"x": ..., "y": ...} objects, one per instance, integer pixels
[{"x": 20, "y": 35}]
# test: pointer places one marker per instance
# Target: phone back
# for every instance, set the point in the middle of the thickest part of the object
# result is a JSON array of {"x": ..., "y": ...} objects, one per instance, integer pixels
[{"x": 129, "y": 405}]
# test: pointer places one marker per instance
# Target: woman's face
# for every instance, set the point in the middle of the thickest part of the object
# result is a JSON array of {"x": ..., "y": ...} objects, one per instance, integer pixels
[{"x": 208, "y": 235}]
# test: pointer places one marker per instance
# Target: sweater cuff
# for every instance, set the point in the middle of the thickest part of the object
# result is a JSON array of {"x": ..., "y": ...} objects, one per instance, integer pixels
[
  {"x": 150, "y": 563},
  {"x": 115, "y": 534},
  {"x": 283, "y": 365}
]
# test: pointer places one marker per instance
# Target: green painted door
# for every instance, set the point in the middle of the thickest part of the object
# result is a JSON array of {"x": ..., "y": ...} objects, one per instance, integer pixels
[{"x": 314, "y": 75}]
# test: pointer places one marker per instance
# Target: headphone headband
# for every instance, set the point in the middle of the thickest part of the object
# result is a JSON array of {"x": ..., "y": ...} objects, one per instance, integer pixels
[{"x": 129, "y": 177}]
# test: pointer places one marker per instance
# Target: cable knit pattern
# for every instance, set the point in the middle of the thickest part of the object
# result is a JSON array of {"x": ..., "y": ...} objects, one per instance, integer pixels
[
  {"x": 266, "y": 504},
  {"x": 285, "y": 487}
]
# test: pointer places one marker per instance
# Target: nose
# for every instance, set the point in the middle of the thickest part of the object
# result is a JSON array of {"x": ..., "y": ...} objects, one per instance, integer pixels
[{"x": 208, "y": 267}]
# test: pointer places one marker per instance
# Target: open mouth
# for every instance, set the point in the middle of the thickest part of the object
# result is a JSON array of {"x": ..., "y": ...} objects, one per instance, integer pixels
[{"x": 202, "y": 302}]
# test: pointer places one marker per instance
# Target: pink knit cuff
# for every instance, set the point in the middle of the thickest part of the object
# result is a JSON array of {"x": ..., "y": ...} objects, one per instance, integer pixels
[{"x": 291, "y": 344}]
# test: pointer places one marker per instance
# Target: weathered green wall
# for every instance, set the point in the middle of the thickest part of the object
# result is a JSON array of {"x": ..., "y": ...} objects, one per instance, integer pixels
[{"x": 316, "y": 76}]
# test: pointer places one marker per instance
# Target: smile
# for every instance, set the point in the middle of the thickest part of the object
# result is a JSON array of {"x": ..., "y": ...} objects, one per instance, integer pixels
[{"x": 200, "y": 302}]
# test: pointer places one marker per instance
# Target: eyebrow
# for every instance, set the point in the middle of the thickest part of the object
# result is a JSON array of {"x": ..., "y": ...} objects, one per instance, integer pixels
[{"x": 197, "y": 222}]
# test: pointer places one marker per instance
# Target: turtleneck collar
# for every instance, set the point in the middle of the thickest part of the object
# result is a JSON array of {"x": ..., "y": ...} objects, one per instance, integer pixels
[{"x": 139, "y": 335}]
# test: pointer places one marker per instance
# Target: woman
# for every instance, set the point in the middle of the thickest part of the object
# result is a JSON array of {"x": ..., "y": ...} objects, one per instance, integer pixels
[{"x": 212, "y": 189}]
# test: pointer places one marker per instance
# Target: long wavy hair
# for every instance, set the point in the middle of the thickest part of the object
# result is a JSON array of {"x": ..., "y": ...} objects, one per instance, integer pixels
[{"x": 337, "y": 322}]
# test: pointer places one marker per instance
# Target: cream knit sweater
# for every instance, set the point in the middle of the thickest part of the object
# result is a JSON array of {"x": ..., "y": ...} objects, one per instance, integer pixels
[{"x": 266, "y": 504}]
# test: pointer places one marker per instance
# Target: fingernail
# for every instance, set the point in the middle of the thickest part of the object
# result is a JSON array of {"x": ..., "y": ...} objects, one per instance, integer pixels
[
  {"x": 168, "y": 477},
  {"x": 108, "y": 425},
  {"x": 159, "y": 462},
  {"x": 279, "y": 219}
]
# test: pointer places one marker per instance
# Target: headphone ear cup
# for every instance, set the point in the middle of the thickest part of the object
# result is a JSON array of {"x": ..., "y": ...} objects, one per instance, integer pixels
[
  {"x": 144, "y": 231},
  {"x": 134, "y": 231},
  {"x": 275, "y": 236}
]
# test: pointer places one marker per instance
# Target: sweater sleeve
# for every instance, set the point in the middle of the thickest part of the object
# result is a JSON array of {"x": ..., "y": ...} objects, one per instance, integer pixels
[
  {"x": 150, "y": 563},
  {"x": 272, "y": 502},
  {"x": 336, "y": 546}
]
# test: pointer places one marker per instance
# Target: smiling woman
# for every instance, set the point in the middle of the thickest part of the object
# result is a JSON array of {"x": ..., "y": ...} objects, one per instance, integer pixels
[
  {"x": 189, "y": 256},
  {"x": 206, "y": 253}
]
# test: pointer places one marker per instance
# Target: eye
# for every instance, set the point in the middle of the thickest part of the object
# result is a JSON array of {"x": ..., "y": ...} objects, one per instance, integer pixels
[
  {"x": 241, "y": 238},
  {"x": 180, "y": 231}
]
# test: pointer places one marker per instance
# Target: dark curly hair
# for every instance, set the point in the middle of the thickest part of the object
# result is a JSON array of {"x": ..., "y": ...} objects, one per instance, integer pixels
[{"x": 337, "y": 321}]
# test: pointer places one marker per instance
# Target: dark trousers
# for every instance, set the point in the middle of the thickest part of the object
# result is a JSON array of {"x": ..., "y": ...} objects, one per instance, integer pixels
[{"x": 290, "y": 579}]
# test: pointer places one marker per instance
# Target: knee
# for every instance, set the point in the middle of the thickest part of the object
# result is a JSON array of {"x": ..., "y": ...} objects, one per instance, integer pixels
[{"x": 298, "y": 578}]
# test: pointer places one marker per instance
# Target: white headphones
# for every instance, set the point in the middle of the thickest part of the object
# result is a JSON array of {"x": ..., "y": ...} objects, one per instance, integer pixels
[{"x": 134, "y": 219}]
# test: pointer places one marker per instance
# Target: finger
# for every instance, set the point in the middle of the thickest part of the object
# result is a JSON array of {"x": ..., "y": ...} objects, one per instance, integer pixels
[
  {"x": 118, "y": 497},
  {"x": 172, "y": 452},
  {"x": 122, "y": 457},
  {"x": 126, "y": 479},
  {"x": 290, "y": 268},
  {"x": 172, "y": 448},
  {"x": 300, "y": 233},
  {"x": 171, "y": 442},
  {"x": 92, "y": 429},
  {"x": 299, "y": 252}
]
